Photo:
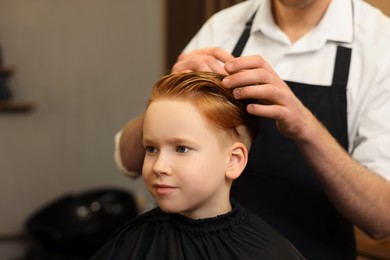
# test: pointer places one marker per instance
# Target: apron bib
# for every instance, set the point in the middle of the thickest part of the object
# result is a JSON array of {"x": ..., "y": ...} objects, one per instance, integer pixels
[{"x": 278, "y": 184}]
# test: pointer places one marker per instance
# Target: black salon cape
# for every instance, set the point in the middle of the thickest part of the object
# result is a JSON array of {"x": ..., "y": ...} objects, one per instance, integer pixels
[{"x": 239, "y": 234}]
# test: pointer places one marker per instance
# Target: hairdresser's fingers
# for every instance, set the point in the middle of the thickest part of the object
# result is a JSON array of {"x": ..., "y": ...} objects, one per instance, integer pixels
[
  {"x": 251, "y": 70},
  {"x": 273, "y": 88},
  {"x": 293, "y": 119},
  {"x": 195, "y": 62},
  {"x": 216, "y": 52},
  {"x": 209, "y": 59},
  {"x": 252, "y": 77},
  {"x": 235, "y": 65}
]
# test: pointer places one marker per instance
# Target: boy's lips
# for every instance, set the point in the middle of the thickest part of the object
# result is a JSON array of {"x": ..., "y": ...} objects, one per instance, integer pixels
[{"x": 164, "y": 188}]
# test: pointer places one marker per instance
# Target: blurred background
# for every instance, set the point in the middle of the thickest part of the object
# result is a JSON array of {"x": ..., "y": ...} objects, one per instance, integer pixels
[{"x": 85, "y": 68}]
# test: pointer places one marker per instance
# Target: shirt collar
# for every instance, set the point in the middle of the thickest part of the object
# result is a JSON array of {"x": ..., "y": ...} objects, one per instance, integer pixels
[{"x": 336, "y": 25}]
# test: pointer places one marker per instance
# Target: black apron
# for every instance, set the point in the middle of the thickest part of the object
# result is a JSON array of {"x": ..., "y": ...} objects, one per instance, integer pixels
[{"x": 278, "y": 184}]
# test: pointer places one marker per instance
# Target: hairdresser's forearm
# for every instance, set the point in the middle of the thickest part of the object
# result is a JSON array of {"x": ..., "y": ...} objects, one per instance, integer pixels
[
  {"x": 360, "y": 195},
  {"x": 131, "y": 149}
]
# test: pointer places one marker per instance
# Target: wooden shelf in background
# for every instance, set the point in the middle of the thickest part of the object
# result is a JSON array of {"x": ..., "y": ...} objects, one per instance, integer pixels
[
  {"x": 6, "y": 71},
  {"x": 13, "y": 106},
  {"x": 372, "y": 249}
]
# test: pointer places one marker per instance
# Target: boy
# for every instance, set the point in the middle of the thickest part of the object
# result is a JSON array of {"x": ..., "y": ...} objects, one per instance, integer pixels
[{"x": 196, "y": 137}]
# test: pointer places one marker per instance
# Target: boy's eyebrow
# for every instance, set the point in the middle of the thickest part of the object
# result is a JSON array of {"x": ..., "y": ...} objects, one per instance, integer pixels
[
  {"x": 181, "y": 140},
  {"x": 171, "y": 140}
]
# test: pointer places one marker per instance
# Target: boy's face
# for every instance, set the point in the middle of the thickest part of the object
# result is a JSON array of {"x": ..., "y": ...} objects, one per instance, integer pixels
[{"x": 185, "y": 161}]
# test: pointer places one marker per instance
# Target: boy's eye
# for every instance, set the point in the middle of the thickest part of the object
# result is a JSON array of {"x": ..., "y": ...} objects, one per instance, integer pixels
[
  {"x": 150, "y": 149},
  {"x": 182, "y": 149}
]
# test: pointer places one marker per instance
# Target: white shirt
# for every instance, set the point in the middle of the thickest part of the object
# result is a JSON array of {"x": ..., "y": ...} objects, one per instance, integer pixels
[{"x": 310, "y": 60}]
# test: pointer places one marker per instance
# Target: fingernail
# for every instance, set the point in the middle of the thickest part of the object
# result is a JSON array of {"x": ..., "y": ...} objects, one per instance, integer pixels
[
  {"x": 237, "y": 92},
  {"x": 226, "y": 82},
  {"x": 229, "y": 66}
]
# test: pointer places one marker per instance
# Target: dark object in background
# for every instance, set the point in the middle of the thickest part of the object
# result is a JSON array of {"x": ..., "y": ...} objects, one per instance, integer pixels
[
  {"x": 80, "y": 224},
  {"x": 5, "y": 93}
]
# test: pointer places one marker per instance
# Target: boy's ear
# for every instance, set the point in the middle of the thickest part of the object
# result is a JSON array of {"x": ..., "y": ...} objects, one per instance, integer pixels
[{"x": 238, "y": 160}]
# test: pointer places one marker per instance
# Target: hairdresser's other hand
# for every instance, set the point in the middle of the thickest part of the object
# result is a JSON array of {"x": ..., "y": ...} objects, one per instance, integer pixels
[
  {"x": 253, "y": 78},
  {"x": 207, "y": 59}
]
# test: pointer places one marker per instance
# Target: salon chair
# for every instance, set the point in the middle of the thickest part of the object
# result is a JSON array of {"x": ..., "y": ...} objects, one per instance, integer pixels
[{"x": 79, "y": 224}]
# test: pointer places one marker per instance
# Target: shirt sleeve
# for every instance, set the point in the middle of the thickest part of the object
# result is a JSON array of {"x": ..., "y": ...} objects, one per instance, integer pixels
[
  {"x": 371, "y": 143},
  {"x": 369, "y": 90}
]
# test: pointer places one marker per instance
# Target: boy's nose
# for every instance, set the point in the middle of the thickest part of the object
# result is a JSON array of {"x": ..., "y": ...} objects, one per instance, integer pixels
[{"x": 161, "y": 165}]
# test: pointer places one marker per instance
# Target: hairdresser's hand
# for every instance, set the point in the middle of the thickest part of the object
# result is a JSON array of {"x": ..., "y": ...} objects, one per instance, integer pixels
[
  {"x": 253, "y": 78},
  {"x": 207, "y": 59}
]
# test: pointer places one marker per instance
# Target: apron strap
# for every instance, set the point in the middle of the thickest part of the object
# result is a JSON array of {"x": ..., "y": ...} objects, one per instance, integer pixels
[
  {"x": 341, "y": 67},
  {"x": 243, "y": 38}
]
